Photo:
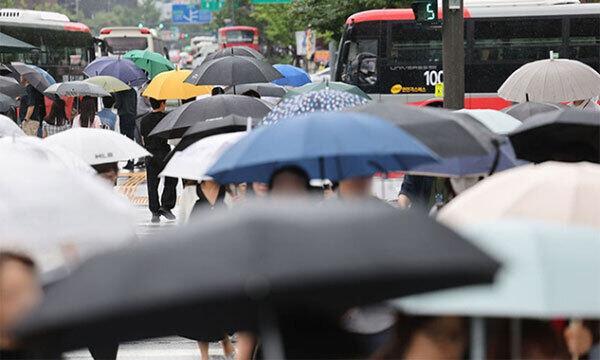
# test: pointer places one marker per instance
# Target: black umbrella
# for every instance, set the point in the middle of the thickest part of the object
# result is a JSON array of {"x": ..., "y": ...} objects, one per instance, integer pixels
[
  {"x": 237, "y": 50},
  {"x": 179, "y": 120},
  {"x": 263, "y": 89},
  {"x": 235, "y": 266},
  {"x": 6, "y": 103},
  {"x": 11, "y": 87},
  {"x": 233, "y": 70},
  {"x": 525, "y": 110},
  {"x": 566, "y": 135}
]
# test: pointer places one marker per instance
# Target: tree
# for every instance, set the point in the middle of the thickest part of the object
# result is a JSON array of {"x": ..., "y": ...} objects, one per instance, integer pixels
[{"x": 277, "y": 23}]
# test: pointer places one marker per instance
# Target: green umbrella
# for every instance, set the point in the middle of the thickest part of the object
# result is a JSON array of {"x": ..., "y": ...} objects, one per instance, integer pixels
[
  {"x": 153, "y": 63},
  {"x": 108, "y": 83},
  {"x": 339, "y": 86}
]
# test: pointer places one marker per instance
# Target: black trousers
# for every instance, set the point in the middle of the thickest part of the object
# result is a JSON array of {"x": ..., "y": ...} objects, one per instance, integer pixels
[
  {"x": 127, "y": 125},
  {"x": 154, "y": 165}
]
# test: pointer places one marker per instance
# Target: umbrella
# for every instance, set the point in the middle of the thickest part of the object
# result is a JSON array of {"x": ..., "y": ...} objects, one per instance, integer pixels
[
  {"x": 8, "y": 128},
  {"x": 97, "y": 146},
  {"x": 326, "y": 145},
  {"x": 323, "y": 100},
  {"x": 76, "y": 88},
  {"x": 38, "y": 78},
  {"x": 233, "y": 70},
  {"x": 6, "y": 103},
  {"x": 238, "y": 265},
  {"x": 10, "y": 87},
  {"x": 9, "y": 44},
  {"x": 123, "y": 69},
  {"x": 565, "y": 135},
  {"x": 152, "y": 62},
  {"x": 237, "y": 51},
  {"x": 292, "y": 75},
  {"x": 175, "y": 123},
  {"x": 551, "y": 80},
  {"x": 263, "y": 89},
  {"x": 525, "y": 110},
  {"x": 339, "y": 86},
  {"x": 109, "y": 83},
  {"x": 193, "y": 162},
  {"x": 496, "y": 121},
  {"x": 171, "y": 85},
  {"x": 548, "y": 271},
  {"x": 560, "y": 193}
]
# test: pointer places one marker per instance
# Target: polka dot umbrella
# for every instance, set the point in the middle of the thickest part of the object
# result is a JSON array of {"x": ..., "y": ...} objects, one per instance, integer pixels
[{"x": 323, "y": 100}]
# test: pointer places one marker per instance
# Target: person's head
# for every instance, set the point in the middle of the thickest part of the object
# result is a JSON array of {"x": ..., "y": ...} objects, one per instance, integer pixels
[
  {"x": 355, "y": 188},
  {"x": 185, "y": 101},
  {"x": 20, "y": 291},
  {"x": 57, "y": 115},
  {"x": 260, "y": 189},
  {"x": 289, "y": 181},
  {"x": 251, "y": 93},
  {"x": 157, "y": 105},
  {"x": 24, "y": 81},
  {"x": 108, "y": 102},
  {"x": 87, "y": 111},
  {"x": 108, "y": 171},
  {"x": 217, "y": 90}
]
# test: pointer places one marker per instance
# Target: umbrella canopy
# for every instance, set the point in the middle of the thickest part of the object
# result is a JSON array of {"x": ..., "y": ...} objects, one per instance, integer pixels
[
  {"x": 326, "y": 145},
  {"x": 8, "y": 128},
  {"x": 525, "y": 110},
  {"x": 11, "y": 87},
  {"x": 76, "y": 88},
  {"x": 233, "y": 70},
  {"x": 292, "y": 75},
  {"x": 6, "y": 103},
  {"x": 496, "y": 121},
  {"x": 574, "y": 190},
  {"x": 258, "y": 256},
  {"x": 175, "y": 124},
  {"x": 263, "y": 89},
  {"x": 9, "y": 44},
  {"x": 331, "y": 85},
  {"x": 171, "y": 85},
  {"x": 565, "y": 135},
  {"x": 322, "y": 100},
  {"x": 551, "y": 80},
  {"x": 548, "y": 271},
  {"x": 109, "y": 83},
  {"x": 123, "y": 69},
  {"x": 38, "y": 78},
  {"x": 193, "y": 162},
  {"x": 97, "y": 146},
  {"x": 152, "y": 62},
  {"x": 237, "y": 51}
]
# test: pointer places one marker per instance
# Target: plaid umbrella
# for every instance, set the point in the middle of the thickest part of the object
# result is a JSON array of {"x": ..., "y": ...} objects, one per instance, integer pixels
[{"x": 324, "y": 100}]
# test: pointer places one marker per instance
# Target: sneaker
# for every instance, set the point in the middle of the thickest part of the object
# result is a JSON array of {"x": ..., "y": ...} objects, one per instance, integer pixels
[
  {"x": 168, "y": 214},
  {"x": 155, "y": 218},
  {"x": 129, "y": 166}
]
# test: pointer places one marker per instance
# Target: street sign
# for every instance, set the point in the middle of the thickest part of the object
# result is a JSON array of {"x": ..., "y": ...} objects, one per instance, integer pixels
[
  {"x": 426, "y": 11},
  {"x": 270, "y": 1},
  {"x": 439, "y": 90},
  {"x": 190, "y": 14},
  {"x": 212, "y": 5}
]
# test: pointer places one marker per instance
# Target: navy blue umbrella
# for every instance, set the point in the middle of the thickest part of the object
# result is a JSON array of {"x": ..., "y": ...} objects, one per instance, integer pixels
[
  {"x": 123, "y": 69},
  {"x": 327, "y": 145},
  {"x": 292, "y": 75}
]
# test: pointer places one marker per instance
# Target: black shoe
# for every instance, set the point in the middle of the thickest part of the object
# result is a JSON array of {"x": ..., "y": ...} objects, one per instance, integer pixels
[
  {"x": 155, "y": 218},
  {"x": 129, "y": 166},
  {"x": 168, "y": 214}
]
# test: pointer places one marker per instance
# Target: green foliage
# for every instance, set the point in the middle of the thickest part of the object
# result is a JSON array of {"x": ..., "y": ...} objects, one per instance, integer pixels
[{"x": 277, "y": 23}]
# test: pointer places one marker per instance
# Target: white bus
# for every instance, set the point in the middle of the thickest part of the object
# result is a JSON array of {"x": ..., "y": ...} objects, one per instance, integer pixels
[{"x": 119, "y": 40}]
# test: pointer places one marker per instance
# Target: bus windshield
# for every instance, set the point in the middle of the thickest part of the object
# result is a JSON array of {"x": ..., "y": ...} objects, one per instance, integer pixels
[
  {"x": 121, "y": 45},
  {"x": 239, "y": 36}
]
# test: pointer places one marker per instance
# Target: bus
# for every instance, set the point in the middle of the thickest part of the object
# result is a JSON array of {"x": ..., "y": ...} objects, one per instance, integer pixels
[
  {"x": 121, "y": 39},
  {"x": 65, "y": 47},
  {"x": 231, "y": 36},
  {"x": 390, "y": 56}
]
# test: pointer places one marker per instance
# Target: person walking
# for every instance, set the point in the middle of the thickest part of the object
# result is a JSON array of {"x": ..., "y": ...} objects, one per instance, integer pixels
[
  {"x": 126, "y": 105},
  {"x": 35, "y": 109},
  {"x": 57, "y": 120},
  {"x": 87, "y": 116},
  {"x": 159, "y": 149},
  {"x": 108, "y": 116}
]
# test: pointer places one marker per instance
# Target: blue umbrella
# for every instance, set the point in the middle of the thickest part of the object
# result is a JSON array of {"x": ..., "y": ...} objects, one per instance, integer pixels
[
  {"x": 327, "y": 145},
  {"x": 292, "y": 75},
  {"x": 123, "y": 69},
  {"x": 44, "y": 74},
  {"x": 323, "y": 100}
]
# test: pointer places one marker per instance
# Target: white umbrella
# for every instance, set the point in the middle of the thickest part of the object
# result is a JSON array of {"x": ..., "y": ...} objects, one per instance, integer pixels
[
  {"x": 495, "y": 120},
  {"x": 76, "y": 88},
  {"x": 551, "y": 80},
  {"x": 193, "y": 162},
  {"x": 97, "y": 146},
  {"x": 9, "y": 128}
]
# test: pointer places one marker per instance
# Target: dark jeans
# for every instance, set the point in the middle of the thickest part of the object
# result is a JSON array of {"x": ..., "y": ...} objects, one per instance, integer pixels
[
  {"x": 154, "y": 165},
  {"x": 127, "y": 125}
]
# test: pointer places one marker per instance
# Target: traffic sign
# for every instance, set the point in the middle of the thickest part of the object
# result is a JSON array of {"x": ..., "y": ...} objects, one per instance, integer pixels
[
  {"x": 190, "y": 14},
  {"x": 439, "y": 90},
  {"x": 425, "y": 10},
  {"x": 212, "y": 5}
]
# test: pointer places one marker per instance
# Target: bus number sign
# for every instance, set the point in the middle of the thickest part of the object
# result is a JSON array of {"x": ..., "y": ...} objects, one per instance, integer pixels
[{"x": 425, "y": 11}]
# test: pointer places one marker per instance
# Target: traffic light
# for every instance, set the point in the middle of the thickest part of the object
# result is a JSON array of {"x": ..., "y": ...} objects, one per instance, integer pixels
[{"x": 426, "y": 11}]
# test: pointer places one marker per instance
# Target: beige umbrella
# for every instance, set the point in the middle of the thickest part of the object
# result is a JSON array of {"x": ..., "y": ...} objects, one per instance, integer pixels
[
  {"x": 551, "y": 80},
  {"x": 560, "y": 193}
]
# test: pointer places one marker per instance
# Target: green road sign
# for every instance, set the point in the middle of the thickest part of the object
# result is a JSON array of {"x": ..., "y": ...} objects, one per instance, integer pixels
[
  {"x": 212, "y": 5},
  {"x": 425, "y": 11},
  {"x": 270, "y": 1}
]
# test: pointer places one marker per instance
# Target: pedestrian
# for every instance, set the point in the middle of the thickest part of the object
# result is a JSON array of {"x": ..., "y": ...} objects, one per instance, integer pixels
[
  {"x": 159, "y": 149},
  {"x": 251, "y": 93},
  {"x": 87, "y": 117},
  {"x": 108, "y": 116},
  {"x": 126, "y": 104},
  {"x": 108, "y": 171},
  {"x": 35, "y": 109},
  {"x": 355, "y": 188},
  {"x": 425, "y": 192},
  {"x": 57, "y": 120},
  {"x": 289, "y": 181}
]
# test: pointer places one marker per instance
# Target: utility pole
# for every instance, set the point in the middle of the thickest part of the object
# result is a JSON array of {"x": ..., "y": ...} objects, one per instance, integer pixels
[{"x": 453, "y": 54}]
